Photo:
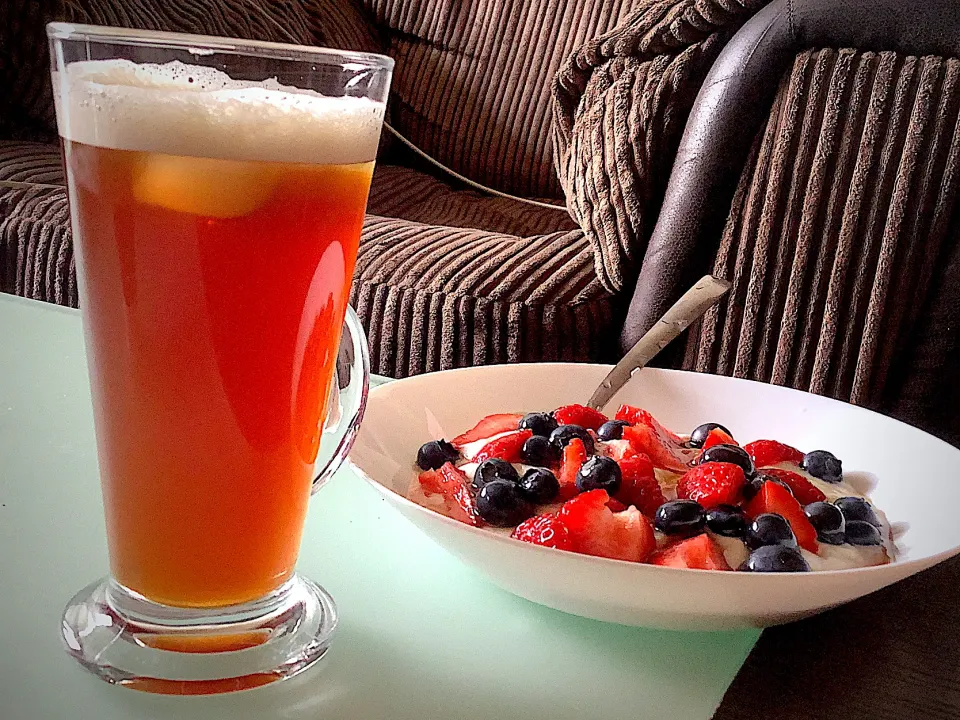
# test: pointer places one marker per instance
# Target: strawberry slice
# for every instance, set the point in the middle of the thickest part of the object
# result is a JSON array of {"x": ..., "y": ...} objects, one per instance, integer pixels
[
  {"x": 574, "y": 455},
  {"x": 803, "y": 490},
  {"x": 618, "y": 450},
  {"x": 697, "y": 553},
  {"x": 773, "y": 498},
  {"x": 596, "y": 530},
  {"x": 639, "y": 486},
  {"x": 636, "y": 416},
  {"x": 490, "y": 425},
  {"x": 546, "y": 530},
  {"x": 452, "y": 483},
  {"x": 507, "y": 447},
  {"x": 718, "y": 437},
  {"x": 585, "y": 417},
  {"x": 664, "y": 453},
  {"x": 712, "y": 484},
  {"x": 770, "y": 452}
]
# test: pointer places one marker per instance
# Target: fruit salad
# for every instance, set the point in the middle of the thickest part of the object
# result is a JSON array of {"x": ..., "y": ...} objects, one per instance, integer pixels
[{"x": 628, "y": 488}]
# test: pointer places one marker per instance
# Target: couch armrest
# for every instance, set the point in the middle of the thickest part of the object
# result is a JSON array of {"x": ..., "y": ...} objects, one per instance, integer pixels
[
  {"x": 620, "y": 105},
  {"x": 342, "y": 24}
]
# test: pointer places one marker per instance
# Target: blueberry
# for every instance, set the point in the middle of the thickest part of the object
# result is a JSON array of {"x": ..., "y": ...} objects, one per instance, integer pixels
[
  {"x": 775, "y": 558},
  {"x": 494, "y": 469},
  {"x": 538, "y": 451},
  {"x": 699, "y": 436},
  {"x": 599, "y": 473},
  {"x": 727, "y": 520},
  {"x": 680, "y": 517},
  {"x": 612, "y": 430},
  {"x": 855, "y": 508},
  {"x": 770, "y": 529},
  {"x": 860, "y": 532},
  {"x": 541, "y": 423},
  {"x": 561, "y": 437},
  {"x": 730, "y": 454},
  {"x": 539, "y": 485},
  {"x": 828, "y": 521},
  {"x": 435, "y": 453},
  {"x": 824, "y": 465},
  {"x": 502, "y": 503}
]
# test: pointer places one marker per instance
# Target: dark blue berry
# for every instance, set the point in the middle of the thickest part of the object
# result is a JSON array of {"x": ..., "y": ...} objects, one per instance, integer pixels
[
  {"x": 538, "y": 451},
  {"x": 828, "y": 522},
  {"x": 562, "y": 436},
  {"x": 599, "y": 473},
  {"x": 860, "y": 532},
  {"x": 730, "y": 454},
  {"x": 856, "y": 508},
  {"x": 435, "y": 453},
  {"x": 539, "y": 485},
  {"x": 494, "y": 469},
  {"x": 699, "y": 436},
  {"x": 769, "y": 529},
  {"x": 823, "y": 465},
  {"x": 503, "y": 504},
  {"x": 680, "y": 517},
  {"x": 727, "y": 520},
  {"x": 612, "y": 430},
  {"x": 540, "y": 423},
  {"x": 775, "y": 558}
]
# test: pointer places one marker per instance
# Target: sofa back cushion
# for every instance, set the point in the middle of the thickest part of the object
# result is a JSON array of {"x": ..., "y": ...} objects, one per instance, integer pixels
[{"x": 473, "y": 80}]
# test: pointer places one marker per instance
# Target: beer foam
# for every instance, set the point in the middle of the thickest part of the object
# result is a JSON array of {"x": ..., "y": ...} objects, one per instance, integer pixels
[{"x": 180, "y": 109}]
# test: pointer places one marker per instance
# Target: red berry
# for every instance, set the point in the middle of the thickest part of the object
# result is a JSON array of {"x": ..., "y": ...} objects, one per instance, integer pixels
[
  {"x": 581, "y": 415},
  {"x": 661, "y": 450},
  {"x": 490, "y": 425},
  {"x": 770, "y": 452},
  {"x": 773, "y": 498},
  {"x": 506, "y": 447},
  {"x": 636, "y": 416},
  {"x": 596, "y": 530},
  {"x": 547, "y": 530},
  {"x": 697, "y": 553},
  {"x": 803, "y": 490},
  {"x": 712, "y": 484},
  {"x": 717, "y": 437},
  {"x": 453, "y": 485},
  {"x": 574, "y": 456},
  {"x": 639, "y": 486},
  {"x": 615, "y": 505}
]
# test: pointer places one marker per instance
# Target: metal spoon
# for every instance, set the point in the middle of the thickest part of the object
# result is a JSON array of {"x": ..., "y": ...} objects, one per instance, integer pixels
[{"x": 691, "y": 307}]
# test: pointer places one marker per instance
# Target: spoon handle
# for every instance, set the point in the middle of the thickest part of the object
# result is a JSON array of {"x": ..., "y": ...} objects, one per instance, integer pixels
[{"x": 689, "y": 308}]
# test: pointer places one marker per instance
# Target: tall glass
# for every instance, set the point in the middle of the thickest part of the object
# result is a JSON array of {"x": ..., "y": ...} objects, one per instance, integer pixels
[{"x": 217, "y": 192}]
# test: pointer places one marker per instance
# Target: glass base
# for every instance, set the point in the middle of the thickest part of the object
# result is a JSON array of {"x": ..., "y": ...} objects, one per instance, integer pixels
[{"x": 125, "y": 639}]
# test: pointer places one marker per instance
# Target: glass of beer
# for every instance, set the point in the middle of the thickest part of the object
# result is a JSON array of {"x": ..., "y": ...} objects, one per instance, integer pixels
[{"x": 217, "y": 192}]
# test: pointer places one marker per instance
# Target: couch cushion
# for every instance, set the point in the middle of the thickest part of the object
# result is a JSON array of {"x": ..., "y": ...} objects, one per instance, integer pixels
[
  {"x": 31, "y": 162},
  {"x": 473, "y": 80},
  {"x": 402, "y": 192}
]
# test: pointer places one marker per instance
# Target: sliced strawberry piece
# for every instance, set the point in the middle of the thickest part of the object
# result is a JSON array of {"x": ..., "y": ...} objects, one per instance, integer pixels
[
  {"x": 490, "y": 425},
  {"x": 770, "y": 452},
  {"x": 664, "y": 453},
  {"x": 697, "y": 553},
  {"x": 619, "y": 450},
  {"x": 596, "y": 530},
  {"x": 712, "y": 484},
  {"x": 585, "y": 417},
  {"x": 639, "y": 486},
  {"x": 547, "y": 530},
  {"x": 615, "y": 505},
  {"x": 453, "y": 485},
  {"x": 773, "y": 498},
  {"x": 718, "y": 437},
  {"x": 574, "y": 455},
  {"x": 507, "y": 447},
  {"x": 636, "y": 416},
  {"x": 803, "y": 490}
]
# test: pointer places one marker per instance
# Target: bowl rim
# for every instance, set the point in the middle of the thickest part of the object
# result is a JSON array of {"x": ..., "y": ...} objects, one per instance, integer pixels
[{"x": 915, "y": 564}]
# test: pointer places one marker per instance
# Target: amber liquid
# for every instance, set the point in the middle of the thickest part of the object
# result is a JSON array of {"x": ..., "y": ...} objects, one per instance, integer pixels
[{"x": 213, "y": 294}]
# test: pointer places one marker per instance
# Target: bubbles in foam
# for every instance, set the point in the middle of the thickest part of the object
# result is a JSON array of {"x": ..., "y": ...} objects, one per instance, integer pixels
[{"x": 181, "y": 109}]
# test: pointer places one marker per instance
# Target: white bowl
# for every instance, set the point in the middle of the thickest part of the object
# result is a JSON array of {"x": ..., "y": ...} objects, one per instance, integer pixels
[{"x": 916, "y": 484}]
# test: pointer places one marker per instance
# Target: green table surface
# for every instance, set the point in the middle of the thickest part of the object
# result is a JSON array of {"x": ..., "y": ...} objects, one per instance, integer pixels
[{"x": 420, "y": 636}]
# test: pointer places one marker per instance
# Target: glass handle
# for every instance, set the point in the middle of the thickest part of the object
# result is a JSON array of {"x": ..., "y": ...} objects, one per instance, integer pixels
[{"x": 348, "y": 399}]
